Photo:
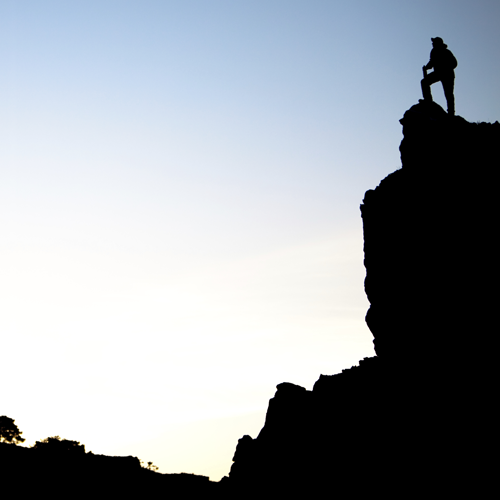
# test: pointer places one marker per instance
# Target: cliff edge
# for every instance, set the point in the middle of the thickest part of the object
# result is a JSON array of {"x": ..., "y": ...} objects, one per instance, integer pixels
[
  {"x": 429, "y": 242},
  {"x": 420, "y": 416}
]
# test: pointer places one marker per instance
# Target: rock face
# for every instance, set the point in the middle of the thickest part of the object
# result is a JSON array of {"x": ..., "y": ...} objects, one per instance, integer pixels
[
  {"x": 421, "y": 415},
  {"x": 430, "y": 242}
]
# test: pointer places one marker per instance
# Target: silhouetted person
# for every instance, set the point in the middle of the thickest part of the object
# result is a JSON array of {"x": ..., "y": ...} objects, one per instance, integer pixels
[{"x": 443, "y": 62}]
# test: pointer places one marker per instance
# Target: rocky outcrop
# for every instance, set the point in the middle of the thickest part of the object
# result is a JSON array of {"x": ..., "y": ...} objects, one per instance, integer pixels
[
  {"x": 430, "y": 242},
  {"x": 418, "y": 418}
]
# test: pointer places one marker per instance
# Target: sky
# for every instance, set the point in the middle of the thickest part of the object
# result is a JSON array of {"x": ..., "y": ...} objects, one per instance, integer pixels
[{"x": 180, "y": 185}]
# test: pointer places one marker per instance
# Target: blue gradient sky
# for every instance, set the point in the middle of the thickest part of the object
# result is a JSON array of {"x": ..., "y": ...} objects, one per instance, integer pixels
[{"x": 179, "y": 203}]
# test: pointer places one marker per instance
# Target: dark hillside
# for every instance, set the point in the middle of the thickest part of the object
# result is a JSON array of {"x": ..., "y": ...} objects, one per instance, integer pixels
[{"x": 30, "y": 472}]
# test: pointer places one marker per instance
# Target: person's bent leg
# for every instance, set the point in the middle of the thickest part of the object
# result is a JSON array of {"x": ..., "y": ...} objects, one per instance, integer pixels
[
  {"x": 426, "y": 83},
  {"x": 426, "y": 90}
]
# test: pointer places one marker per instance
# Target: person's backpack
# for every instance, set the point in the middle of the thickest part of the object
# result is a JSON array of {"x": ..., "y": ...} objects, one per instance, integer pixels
[{"x": 451, "y": 61}]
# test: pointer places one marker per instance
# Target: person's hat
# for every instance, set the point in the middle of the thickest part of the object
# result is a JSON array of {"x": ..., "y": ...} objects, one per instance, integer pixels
[{"x": 437, "y": 40}]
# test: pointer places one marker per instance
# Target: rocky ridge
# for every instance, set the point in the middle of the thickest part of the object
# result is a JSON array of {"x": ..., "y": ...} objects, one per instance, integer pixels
[{"x": 420, "y": 415}]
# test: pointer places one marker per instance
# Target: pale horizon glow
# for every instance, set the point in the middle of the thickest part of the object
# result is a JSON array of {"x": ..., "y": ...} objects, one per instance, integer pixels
[{"x": 179, "y": 204}]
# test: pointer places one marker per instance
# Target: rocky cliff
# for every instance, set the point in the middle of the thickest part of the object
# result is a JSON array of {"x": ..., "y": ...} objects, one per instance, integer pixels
[
  {"x": 430, "y": 243},
  {"x": 420, "y": 417}
]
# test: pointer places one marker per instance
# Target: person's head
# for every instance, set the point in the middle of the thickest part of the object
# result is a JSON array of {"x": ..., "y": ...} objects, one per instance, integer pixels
[{"x": 437, "y": 42}]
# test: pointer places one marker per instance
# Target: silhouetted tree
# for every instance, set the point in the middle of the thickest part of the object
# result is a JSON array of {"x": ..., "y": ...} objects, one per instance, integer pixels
[
  {"x": 9, "y": 432},
  {"x": 55, "y": 444},
  {"x": 150, "y": 466}
]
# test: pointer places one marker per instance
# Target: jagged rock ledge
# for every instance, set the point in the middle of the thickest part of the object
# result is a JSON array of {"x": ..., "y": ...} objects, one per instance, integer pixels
[
  {"x": 430, "y": 242},
  {"x": 420, "y": 415}
]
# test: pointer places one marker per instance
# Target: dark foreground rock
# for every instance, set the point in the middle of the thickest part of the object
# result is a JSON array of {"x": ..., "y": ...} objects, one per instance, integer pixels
[{"x": 420, "y": 418}]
